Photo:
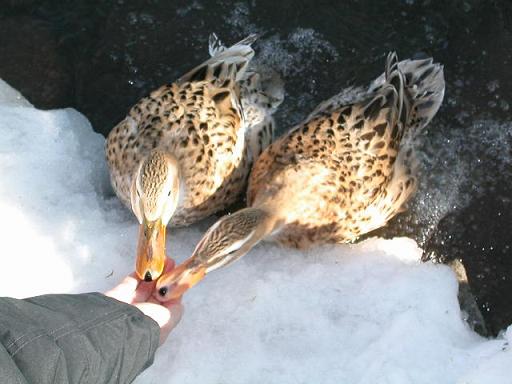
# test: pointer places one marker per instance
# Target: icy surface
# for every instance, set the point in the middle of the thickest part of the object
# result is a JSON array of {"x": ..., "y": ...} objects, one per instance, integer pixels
[
  {"x": 292, "y": 55},
  {"x": 368, "y": 313},
  {"x": 10, "y": 96},
  {"x": 456, "y": 168}
]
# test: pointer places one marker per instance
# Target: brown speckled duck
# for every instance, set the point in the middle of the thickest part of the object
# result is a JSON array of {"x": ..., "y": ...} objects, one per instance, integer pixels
[
  {"x": 345, "y": 171},
  {"x": 185, "y": 151}
]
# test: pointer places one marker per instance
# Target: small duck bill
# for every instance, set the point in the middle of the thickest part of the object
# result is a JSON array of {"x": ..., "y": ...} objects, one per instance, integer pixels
[
  {"x": 175, "y": 283},
  {"x": 150, "y": 250}
]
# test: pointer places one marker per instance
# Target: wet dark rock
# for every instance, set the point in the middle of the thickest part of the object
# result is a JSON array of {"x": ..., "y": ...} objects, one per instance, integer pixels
[
  {"x": 143, "y": 46},
  {"x": 485, "y": 252},
  {"x": 463, "y": 211},
  {"x": 31, "y": 62}
]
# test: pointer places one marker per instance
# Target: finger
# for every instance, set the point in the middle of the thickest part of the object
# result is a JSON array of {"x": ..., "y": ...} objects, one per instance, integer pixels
[
  {"x": 129, "y": 283},
  {"x": 166, "y": 318},
  {"x": 169, "y": 265},
  {"x": 176, "y": 313},
  {"x": 124, "y": 291},
  {"x": 159, "y": 314},
  {"x": 144, "y": 291},
  {"x": 170, "y": 303},
  {"x": 165, "y": 304},
  {"x": 163, "y": 316}
]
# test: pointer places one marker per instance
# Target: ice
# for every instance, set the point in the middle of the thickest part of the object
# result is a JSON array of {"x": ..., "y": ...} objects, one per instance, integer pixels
[
  {"x": 493, "y": 85},
  {"x": 365, "y": 313},
  {"x": 353, "y": 314},
  {"x": 52, "y": 197},
  {"x": 455, "y": 169},
  {"x": 193, "y": 5},
  {"x": 291, "y": 55},
  {"x": 10, "y": 96}
]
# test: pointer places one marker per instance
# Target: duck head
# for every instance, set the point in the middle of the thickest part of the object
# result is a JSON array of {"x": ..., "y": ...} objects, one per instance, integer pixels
[
  {"x": 227, "y": 240},
  {"x": 154, "y": 195}
]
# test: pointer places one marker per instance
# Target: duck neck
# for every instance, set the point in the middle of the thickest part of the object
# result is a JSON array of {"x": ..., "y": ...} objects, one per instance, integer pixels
[
  {"x": 266, "y": 222},
  {"x": 252, "y": 225}
]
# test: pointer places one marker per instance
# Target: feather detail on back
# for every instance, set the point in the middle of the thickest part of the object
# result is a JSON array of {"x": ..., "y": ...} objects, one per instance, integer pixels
[
  {"x": 215, "y": 46},
  {"x": 348, "y": 168},
  {"x": 424, "y": 88},
  {"x": 225, "y": 65},
  {"x": 259, "y": 98},
  {"x": 203, "y": 120}
]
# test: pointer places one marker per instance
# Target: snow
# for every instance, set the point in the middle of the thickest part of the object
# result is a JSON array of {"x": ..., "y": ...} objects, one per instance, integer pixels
[
  {"x": 10, "y": 96},
  {"x": 365, "y": 313},
  {"x": 455, "y": 163}
]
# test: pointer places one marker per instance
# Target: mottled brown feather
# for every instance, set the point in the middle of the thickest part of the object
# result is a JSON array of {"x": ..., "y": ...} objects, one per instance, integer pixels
[
  {"x": 346, "y": 170},
  {"x": 200, "y": 120}
]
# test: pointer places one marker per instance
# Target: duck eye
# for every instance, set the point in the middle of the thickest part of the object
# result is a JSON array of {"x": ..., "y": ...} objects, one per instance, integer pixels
[
  {"x": 162, "y": 291},
  {"x": 231, "y": 252},
  {"x": 169, "y": 194}
]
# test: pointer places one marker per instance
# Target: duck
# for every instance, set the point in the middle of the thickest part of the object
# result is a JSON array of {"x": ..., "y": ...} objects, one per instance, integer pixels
[
  {"x": 185, "y": 151},
  {"x": 346, "y": 170}
]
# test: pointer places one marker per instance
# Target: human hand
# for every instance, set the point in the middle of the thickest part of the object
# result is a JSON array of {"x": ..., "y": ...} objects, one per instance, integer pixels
[{"x": 140, "y": 294}]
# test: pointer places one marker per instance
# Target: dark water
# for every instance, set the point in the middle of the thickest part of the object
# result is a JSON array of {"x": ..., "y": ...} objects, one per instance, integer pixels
[{"x": 100, "y": 57}]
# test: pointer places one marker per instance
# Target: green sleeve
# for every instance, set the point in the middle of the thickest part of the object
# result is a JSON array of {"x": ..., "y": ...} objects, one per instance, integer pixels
[{"x": 87, "y": 338}]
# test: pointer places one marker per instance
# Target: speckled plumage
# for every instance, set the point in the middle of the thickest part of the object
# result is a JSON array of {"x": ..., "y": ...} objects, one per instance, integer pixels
[
  {"x": 346, "y": 170},
  {"x": 214, "y": 120},
  {"x": 225, "y": 236},
  {"x": 350, "y": 166}
]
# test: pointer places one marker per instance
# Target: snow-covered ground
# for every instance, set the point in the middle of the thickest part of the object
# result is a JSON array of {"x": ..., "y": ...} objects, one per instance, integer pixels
[{"x": 367, "y": 313}]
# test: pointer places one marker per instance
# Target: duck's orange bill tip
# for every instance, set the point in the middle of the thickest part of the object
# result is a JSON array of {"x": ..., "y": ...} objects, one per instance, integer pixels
[
  {"x": 151, "y": 256},
  {"x": 174, "y": 284}
]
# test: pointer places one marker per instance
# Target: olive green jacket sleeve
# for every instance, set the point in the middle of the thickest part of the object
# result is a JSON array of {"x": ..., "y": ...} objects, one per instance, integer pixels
[{"x": 87, "y": 338}]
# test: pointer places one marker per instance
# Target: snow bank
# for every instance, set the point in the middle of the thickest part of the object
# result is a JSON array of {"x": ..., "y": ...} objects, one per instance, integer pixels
[
  {"x": 10, "y": 96},
  {"x": 367, "y": 313}
]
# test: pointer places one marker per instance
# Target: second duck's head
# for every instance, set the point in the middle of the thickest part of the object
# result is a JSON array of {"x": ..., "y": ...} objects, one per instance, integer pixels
[
  {"x": 230, "y": 238},
  {"x": 154, "y": 197}
]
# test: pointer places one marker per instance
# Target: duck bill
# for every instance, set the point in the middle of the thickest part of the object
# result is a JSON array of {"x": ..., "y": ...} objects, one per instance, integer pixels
[
  {"x": 175, "y": 283},
  {"x": 150, "y": 250}
]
